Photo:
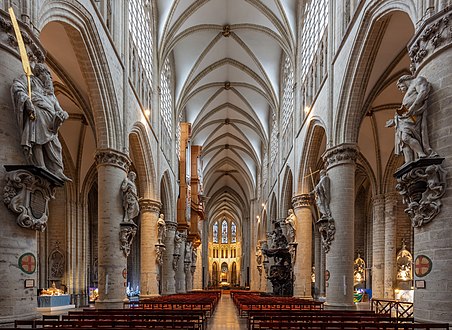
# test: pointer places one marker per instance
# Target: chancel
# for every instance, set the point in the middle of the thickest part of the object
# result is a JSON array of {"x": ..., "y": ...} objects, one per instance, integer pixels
[{"x": 221, "y": 157}]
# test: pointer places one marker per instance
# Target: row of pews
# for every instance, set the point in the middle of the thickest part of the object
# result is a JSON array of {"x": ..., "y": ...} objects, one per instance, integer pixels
[
  {"x": 179, "y": 311},
  {"x": 266, "y": 312}
]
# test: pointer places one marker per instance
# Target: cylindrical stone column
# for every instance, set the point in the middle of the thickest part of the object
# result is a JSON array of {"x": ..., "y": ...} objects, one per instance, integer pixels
[
  {"x": 180, "y": 272},
  {"x": 187, "y": 267},
  {"x": 378, "y": 246},
  {"x": 431, "y": 55},
  {"x": 390, "y": 233},
  {"x": 19, "y": 260},
  {"x": 340, "y": 166},
  {"x": 168, "y": 271},
  {"x": 303, "y": 236},
  {"x": 150, "y": 211},
  {"x": 112, "y": 167},
  {"x": 317, "y": 264}
]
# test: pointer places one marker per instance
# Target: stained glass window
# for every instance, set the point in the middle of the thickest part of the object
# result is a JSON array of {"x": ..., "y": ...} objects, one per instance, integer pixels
[
  {"x": 233, "y": 233},
  {"x": 215, "y": 232},
  {"x": 224, "y": 232},
  {"x": 315, "y": 22},
  {"x": 141, "y": 33},
  {"x": 287, "y": 99},
  {"x": 166, "y": 100}
]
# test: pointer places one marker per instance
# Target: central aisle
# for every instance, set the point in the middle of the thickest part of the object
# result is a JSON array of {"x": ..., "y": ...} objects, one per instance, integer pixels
[{"x": 226, "y": 316}]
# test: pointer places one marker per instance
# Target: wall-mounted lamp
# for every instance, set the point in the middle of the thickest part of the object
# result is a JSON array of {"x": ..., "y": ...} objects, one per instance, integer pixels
[{"x": 147, "y": 112}]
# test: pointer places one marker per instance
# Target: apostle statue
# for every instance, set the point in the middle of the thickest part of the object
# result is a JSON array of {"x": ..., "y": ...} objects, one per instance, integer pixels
[
  {"x": 290, "y": 225},
  {"x": 161, "y": 229},
  {"x": 410, "y": 120},
  {"x": 39, "y": 119},
  {"x": 322, "y": 195},
  {"x": 130, "y": 200}
]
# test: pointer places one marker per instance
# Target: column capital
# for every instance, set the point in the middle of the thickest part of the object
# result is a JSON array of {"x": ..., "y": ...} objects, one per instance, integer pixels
[
  {"x": 149, "y": 205},
  {"x": 431, "y": 37},
  {"x": 302, "y": 200},
  {"x": 392, "y": 196},
  {"x": 378, "y": 199},
  {"x": 345, "y": 153},
  {"x": 171, "y": 225},
  {"x": 112, "y": 158}
]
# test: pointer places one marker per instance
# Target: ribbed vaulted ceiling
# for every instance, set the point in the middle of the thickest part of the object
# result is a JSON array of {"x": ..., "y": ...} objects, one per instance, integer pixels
[{"x": 227, "y": 57}]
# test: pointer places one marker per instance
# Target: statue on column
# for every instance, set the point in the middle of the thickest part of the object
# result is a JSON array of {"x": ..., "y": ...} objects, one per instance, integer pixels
[
  {"x": 326, "y": 224},
  {"x": 322, "y": 195},
  {"x": 161, "y": 229},
  {"x": 410, "y": 120},
  {"x": 39, "y": 119},
  {"x": 130, "y": 197},
  {"x": 291, "y": 226}
]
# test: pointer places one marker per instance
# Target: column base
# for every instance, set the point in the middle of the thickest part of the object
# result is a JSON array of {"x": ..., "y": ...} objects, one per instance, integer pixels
[
  {"x": 152, "y": 295},
  {"x": 113, "y": 303},
  {"x": 339, "y": 306}
]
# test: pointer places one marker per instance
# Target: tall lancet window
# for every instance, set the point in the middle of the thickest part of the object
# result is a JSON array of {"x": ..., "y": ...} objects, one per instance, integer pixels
[
  {"x": 166, "y": 100},
  {"x": 215, "y": 232},
  {"x": 224, "y": 232},
  {"x": 233, "y": 233}
]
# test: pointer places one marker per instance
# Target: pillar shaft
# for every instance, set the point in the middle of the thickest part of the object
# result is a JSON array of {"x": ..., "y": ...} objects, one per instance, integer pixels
[
  {"x": 149, "y": 274},
  {"x": 340, "y": 163},
  {"x": 390, "y": 251},
  {"x": 431, "y": 56},
  {"x": 168, "y": 272},
  {"x": 303, "y": 236},
  {"x": 112, "y": 167},
  {"x": 180, "y": 273},
  {"x": 378, "y": 251},
  {"x": 318, "y": 265}
]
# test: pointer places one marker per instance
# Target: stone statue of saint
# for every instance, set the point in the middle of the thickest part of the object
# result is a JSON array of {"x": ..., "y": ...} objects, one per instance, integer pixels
[
  {"x": 290, "y": 225},
  {"x": 130, "y": 197},
  {"x": 177, "y": 243},
  {"x": 259, "y": 254},
  {"x": 322, "y": 195},
  {"x": 410, "y": 120},
  {"x": 39, "y": 119},
  {"x": 187, "y": 256},
  {"x": 161, "y": 229}
]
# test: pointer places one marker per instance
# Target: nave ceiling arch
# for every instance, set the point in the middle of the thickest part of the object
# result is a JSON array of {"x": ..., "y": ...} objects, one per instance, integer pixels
[{"x": 227, "y": 58}]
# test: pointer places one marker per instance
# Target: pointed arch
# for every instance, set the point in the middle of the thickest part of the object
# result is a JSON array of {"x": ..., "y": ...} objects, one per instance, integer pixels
[{"x": 83, "y": 32}]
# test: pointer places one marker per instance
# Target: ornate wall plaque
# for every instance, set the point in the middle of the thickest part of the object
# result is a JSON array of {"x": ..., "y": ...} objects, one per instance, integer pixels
[
  {"x": 28, "y": 195},
  {"x": 422, "y": 266},
  {"x": 27, "y": 263}
]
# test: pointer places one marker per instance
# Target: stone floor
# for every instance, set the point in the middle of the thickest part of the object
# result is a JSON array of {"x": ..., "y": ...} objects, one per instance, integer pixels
[{"x": 226, "y": 316}]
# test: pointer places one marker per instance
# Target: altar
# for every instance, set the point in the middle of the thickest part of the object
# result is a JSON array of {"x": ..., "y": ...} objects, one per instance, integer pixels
[{"x": 51, "y": 303}]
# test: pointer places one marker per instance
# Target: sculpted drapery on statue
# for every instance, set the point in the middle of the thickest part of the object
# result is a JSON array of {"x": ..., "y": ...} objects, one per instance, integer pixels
[
  {"x": 161, "y": 229},
  {"x": 130, "y": 200},
  {"x": 39, "y": 119},
  {"x": 322, "y": 195},
  {"x": 410, "y": 120},
  {"x": 291, "y": 226}
]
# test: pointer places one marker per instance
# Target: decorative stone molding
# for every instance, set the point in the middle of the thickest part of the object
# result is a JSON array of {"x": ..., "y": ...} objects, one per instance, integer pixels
[
  {"x": 433, "y": 35},
  {"x": 159, "y": 249},
  {"x": 126, "y": 234},
  {"x": 327, "y": 230},
  {"x": 35, "y": 51},
  {"x": 303, "y": 200},
  {"x": 28, "y": 195},
  {"x": 112, "y": 158},
  {"x": 171, "y": 225},
  {"x": 422, "y": 184},
  {"x": 149, "y": 205},
  {"x": 187, "y": 265},
  {"x": 341, "y": 154}
]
